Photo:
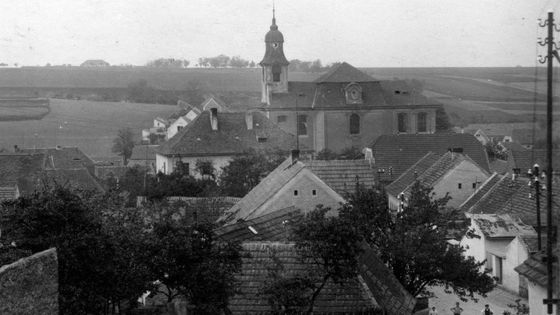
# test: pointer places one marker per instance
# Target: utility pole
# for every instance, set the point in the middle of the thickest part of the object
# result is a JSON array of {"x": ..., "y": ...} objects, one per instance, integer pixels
[
  {"x": 536, "y": 183},
  {"x": 549, "y": 42}
]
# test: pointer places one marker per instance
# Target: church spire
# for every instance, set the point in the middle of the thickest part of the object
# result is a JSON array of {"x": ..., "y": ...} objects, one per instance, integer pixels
[{"x": 273, "y": 26}]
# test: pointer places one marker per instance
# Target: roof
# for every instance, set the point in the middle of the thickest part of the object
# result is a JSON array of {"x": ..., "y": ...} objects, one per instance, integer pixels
[
  {"x": 344, "y": 73},
  {"x": 535, "y": 270},
  {"x": 504, "y": 195},
  {"x": 231, "y": 138},
  {"x": 339, "y": 175},
  {"x": 144, "y": 152},
  {"x": 397, "y": 153},
  {"x": 8, "y": 192},
  {"x": 15, "y": 167},
  {"x": 64, "y": 157},
  {"x": 531, "y": 242},
  {"x": 501, "y": 226},
  {"x": 525, "y": 160},
  {"x": 513, "y": 146},
  {"x": 260, "y": 257},
  {"x": 269, "y": 227},
  {"x": 491, "y": 130},
  {"x": 75, "y": 178},
  {"x": 499, "y": 166}
]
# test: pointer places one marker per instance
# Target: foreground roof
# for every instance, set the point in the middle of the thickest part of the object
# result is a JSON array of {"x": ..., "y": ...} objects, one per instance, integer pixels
[
  {"x": 501, "y": 225},
  {"x": 17, "y": 166},
  {"x": 399, "y": 152},
  {"x": 260, "y": 257},
  {"x": 535, "y": 270},
  {"x": 232, "y": 137}
]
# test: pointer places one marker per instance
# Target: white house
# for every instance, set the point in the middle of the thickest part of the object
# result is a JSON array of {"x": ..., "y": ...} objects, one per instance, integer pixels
[
  {"x": 182, "y": 122},
  {"x": 453, "y": 174},
  {"x": 219, "y": 137},
  {"x": 496, "y": 233},
  {"x": 517, "y": 252}
]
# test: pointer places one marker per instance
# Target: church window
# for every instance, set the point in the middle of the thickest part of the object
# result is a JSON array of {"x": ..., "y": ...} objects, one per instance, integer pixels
[
  {"x": 276, "y": 71},
  {"x": 281, "y": 119},
  {"x": 402, "y": 122},
  {"x": 354, "y": 124},
  {"x": 422, "y": 122},
  {"x": 302, "y": 125}
]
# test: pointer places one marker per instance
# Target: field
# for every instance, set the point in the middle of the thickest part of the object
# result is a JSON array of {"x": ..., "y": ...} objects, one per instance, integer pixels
[
  {"x": 469, "y": 95},
  {"x": 91, "y": 126}
]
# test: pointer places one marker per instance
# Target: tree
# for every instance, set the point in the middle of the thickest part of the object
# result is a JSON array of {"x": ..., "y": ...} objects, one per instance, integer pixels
[
  {"x": 442, "y": 120},
  {"x": 245, "y": 172},
  {"x": 124, "y": 143},
  {"x": 168, "y": 63},
  {"x": 413, "y": 242},
  {"x": 331, "y": 247},
  {"x": 238, "y": 62}
]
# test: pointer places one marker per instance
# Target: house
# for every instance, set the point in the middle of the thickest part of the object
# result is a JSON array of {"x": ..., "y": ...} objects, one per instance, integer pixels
[
  {"x": 517, "y": 252},
  {"x": 64, "y": 158},
  {"x": 182, "y": 121},
  {"x": 144, "y": 156},
  {"x": 394, "y": 154},
  {"x": 219, "y": 137},
  {"x": 95, "y": 63},
  {"x": 303, "y": 184},
  {"x": 452, "y": 174},
  {"x": 535, "y": 271},
  {"x": 213, "y": 101},
  {"x": 344, "y": 107},
  {"x": 485, "y": 133},
  {"x": 496, "y": 232}
]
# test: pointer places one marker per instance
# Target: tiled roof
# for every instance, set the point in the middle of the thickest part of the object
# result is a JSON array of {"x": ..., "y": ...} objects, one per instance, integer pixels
[
  {"x": 75, "y": 178},
  {"x": 525, "y": 135},
  {"x": 339, "y": 175},
  {"x": 144, "y": 152},
  {"x": 501, "y": 225},
  {"x": 344, "y": 73},
  {"x": 531, "y": 242},
  {"x": 400, "y": 152},
  {"x": 342, "y": 175},
  {"x": 206, "y": 209},
  {"x": 258, "y": 258},
  {"x": 411, "y": 175},
  {"x": 269, "y": 227},
  {"x": 17, "y": 166},
  {"x": 231, "y": 138},
  {"x": 526, "y": 159},
  {"x": 64, "y": 157},
  {"x": 535, "y": 270},
  {"x": 503, "y": 195},
  {"x": 499, "y": 166}
]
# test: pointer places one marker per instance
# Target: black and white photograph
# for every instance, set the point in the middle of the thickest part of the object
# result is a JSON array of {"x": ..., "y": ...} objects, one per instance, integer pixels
[{"x": 256, "y": 157}]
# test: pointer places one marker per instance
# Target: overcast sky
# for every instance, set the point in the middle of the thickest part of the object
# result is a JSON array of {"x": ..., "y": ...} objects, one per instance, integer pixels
[{"x": 376, "y": 33}]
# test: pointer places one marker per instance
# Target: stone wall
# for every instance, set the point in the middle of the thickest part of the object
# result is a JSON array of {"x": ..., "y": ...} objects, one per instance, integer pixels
[{"x": 30, "y": 285}]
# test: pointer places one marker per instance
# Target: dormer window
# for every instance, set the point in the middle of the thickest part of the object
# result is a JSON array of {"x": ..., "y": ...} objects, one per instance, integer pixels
[{"x": 353, "y": 93}]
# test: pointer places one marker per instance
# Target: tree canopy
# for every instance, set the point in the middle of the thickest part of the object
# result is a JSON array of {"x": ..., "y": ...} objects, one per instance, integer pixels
[{"x": 124, "y": 143}]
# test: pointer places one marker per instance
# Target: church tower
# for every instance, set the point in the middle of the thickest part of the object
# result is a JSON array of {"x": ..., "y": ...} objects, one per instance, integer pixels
[{"x": 274, "y": 64}]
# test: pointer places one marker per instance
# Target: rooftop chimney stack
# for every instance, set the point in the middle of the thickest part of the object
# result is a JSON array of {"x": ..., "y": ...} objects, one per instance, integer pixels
[
  {"x": 249, "y": 120},
  {"x": 214, "y": 118},
  {"x": 295, "y": 156}
]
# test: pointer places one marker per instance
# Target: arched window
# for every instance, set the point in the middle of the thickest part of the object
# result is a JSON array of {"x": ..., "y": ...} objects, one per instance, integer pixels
[
  {"x": 354, "y": 124},
  {"x": 422, "y": 122},
  {"x": 276, "y": 71},
  {"x": 402, "y": 122}
]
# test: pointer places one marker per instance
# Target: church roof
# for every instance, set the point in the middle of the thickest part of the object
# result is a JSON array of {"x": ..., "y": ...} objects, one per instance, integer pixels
[
  {"x": 342, "y": 73},
  {"x": 274, "y": 56}
]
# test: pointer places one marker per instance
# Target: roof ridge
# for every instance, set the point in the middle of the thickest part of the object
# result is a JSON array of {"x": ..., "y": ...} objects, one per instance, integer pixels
[
  {"x": 478, "y": 189},
  {"x": 486, "y": 195},
  {"x": 410, "y": 168}
]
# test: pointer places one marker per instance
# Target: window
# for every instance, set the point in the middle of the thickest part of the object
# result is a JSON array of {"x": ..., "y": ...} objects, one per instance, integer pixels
[
  {"x": 459, "y": 186},
  {"x": 179, "y": 128},
  {"x": 295, "y": 192},
  {"x": 276, "y": 71},
  {"x": 261, "y": 139},
  {"x": 281, "y": 119},
  {"x": 402, "y": 122},
  {"x": 354, "y": 124},
  {"x": 314, "y": 192},
  {"x": 302, "y": 125},
  {"x": 422, "y": 123},
  {"x": 473, "y": 185}
]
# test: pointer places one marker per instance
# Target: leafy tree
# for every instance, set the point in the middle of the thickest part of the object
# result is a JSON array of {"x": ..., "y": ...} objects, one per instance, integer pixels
[
  {"x": 330, "y": 246},
  {"x": 442, "y": 120},
  {"x": 245, "y": 172},
  {"x": 413, "y": 242},
  {"x": 238, "y": 62},
  {"x": 205, "y": 168},
  {"x": 168, "y": 63},
  {"x": 124, "y": 143}
]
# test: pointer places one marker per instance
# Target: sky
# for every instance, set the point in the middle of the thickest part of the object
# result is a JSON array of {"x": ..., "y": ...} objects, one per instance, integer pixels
[{"x": 364, "y": 33}]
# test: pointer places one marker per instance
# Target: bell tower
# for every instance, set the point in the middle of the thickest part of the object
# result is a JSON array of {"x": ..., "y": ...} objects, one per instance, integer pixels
[{"x": 274, "y": 64}]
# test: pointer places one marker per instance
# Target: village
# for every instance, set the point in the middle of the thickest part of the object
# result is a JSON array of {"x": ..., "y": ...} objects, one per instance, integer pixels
[{"x": 341, "y": 194}]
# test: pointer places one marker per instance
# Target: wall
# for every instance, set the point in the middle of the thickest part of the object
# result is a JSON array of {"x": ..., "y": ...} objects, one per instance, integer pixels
[
  {"x": 218, "y": 161},
  {"x": 174, "y": 127},
  {"x": 537, "y": 294},
  {"x": 465, "y": 173},
  {"x": 475, "y": 247},
  {"x": 516, "y": 254},
  {"x": 304, "y": 182},
  {"x": 30, "y": 285}
]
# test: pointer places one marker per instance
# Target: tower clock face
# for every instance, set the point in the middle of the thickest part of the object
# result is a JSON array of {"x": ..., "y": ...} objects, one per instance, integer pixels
[{"x": 275, "y": 45}]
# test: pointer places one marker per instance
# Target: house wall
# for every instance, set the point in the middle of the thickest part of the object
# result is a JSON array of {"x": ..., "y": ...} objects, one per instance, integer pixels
[
  {"x": 166, "y": 164},
  {"x": 466, "y": 173},
  {"x": 304, "y": 183},
  {"x": 174, "y": 127},
  {"x": 516, "y": 254},
  {"x": 475, "y": 247},
  {"x": 158, "y": 124},
  {"x": 537, "y": 294}
]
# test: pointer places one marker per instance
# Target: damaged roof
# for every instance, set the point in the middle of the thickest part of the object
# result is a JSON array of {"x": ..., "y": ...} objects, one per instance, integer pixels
[{"x": 501, "y": 226}]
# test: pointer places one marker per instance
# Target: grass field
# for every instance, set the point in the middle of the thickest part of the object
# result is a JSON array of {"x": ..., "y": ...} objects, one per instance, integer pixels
[{"x": 91, "y": 126}]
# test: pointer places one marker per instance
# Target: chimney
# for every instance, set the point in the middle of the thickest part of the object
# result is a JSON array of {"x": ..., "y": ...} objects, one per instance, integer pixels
[
  {"x": 214, "y": 118},
  {"x": 249, "y": 120},
  {"x": 16, "y": 148},
  {"x": 295, "y": 156}
]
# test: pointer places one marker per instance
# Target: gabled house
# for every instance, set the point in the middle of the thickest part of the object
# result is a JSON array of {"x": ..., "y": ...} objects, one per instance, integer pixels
[
  {"x": 497, "y": 133},
  {"x": 519, "y": 250},
  {"x": 496, "y": 232},
  {"x": 453, "y": 174},
  {"x": 394, "y": 154},
  {"x": 535, "y": 271},
  {"x": 182, "y": 121},
  {"x": 219, "y": 137},
  {"x": 303, "y": 184},
  {"x": 344, "y": 107},
  {"x": 212, "y": 101}
]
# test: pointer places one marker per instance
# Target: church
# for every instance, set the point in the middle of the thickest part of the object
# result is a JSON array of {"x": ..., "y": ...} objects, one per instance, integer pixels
[{"x": 344, "y": 107}]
